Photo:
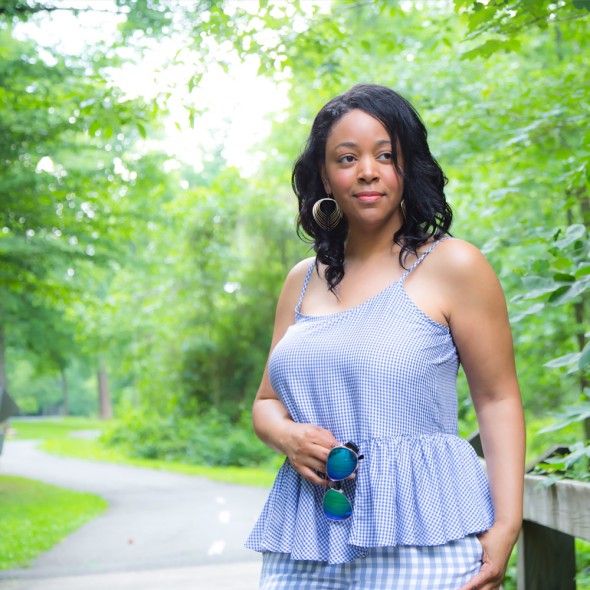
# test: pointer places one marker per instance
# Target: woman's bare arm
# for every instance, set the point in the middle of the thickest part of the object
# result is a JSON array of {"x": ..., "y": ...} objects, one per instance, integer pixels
[{"x": 478, "y": 320}]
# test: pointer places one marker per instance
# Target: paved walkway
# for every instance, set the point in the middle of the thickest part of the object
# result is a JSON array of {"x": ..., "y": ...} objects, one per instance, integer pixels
[
  {"x": 242, "y": 576},
  {"x": 162, "y": 531}
]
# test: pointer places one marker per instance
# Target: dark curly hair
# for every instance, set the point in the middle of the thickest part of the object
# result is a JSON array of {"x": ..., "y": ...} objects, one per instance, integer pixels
[{"x": 427, "y": 214}]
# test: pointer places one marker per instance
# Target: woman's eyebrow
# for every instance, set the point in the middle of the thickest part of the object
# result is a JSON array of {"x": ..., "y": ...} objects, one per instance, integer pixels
[{"x": 353, "y": 144}]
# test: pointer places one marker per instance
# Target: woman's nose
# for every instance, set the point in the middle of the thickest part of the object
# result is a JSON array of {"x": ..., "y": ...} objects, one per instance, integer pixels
[{"x": 367, "y": 170}]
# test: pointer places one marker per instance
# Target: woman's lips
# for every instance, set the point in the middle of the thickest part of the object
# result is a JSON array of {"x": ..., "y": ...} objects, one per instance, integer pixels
[{"x": 368, "y": 197}]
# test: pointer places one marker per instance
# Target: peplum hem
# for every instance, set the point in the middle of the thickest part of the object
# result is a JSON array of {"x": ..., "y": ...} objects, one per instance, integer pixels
[{"x": 410, "y": 490}]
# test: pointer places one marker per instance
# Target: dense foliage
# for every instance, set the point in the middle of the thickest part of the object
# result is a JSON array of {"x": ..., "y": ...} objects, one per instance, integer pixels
[
  {"x": 117, "y": 260},
  {"x": 212, "y": 440}
]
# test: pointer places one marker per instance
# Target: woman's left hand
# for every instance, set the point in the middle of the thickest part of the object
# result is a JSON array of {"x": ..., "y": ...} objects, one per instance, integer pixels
[{"x": 497, "y": 545}]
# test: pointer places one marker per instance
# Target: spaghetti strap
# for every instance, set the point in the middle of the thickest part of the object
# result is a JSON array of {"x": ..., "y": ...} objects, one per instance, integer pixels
[
  {"x": 432, "y": 247},
  {"x": 303, "y": 289}
]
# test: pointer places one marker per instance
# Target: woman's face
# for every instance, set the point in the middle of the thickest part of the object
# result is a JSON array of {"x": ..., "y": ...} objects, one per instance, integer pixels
[{"x": 359, "y": 172}]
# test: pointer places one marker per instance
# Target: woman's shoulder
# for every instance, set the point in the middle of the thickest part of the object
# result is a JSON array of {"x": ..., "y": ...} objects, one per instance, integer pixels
[
  {"x": 461, "y": 263},
  {"x": 298, "y": 273},
  {"x": 458, "y": 256},
  {"x": 296, "y": 278}
]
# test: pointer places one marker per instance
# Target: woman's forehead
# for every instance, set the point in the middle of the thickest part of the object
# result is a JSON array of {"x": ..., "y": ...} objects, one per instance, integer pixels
[{"x": 357, "y": 125}]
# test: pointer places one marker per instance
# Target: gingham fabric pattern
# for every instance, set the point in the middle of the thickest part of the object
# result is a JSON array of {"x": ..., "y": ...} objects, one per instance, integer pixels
[
  {"x": 444, "y": 567},
  {"x": 382, "y": 375}
]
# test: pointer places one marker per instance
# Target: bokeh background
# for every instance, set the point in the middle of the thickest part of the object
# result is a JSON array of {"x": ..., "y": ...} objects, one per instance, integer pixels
[{"x": 147, "y": 220}]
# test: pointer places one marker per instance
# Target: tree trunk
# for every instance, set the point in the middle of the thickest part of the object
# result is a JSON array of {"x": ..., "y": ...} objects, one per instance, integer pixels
[
  {"x": 105, "y": 408},
  {"x": 65, "y": 394},
  {"x": 581, "y": 313},
  {"x": 216, "y": 387},
  {"x": 3, "y": 379}
]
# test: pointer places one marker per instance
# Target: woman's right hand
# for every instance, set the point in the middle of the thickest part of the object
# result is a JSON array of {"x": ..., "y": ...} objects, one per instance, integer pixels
[{"x": 307, "y": 447}]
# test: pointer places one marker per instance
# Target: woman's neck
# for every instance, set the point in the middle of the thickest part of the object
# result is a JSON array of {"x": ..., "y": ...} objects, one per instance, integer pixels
[{"x": 364, "y": 247}]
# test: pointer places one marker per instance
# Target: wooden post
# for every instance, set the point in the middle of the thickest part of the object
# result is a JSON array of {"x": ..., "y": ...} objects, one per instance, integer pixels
[
  {"x": 546, "y": 559},
  {"x": 554, "y": 515},
  {"x": 3, "y": 379}
]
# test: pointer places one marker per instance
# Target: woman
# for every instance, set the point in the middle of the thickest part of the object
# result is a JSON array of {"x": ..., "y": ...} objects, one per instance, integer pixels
[{"x": 364, "y": 355}]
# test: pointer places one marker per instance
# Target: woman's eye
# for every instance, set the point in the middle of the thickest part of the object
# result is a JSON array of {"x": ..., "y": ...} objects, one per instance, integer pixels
[
  {"x": 346, "y": 159},
  {"x": 385, "y": 156}
]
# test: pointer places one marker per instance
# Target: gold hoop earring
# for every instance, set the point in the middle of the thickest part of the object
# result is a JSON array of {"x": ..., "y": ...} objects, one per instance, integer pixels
[{"x": 327, "y": 221}]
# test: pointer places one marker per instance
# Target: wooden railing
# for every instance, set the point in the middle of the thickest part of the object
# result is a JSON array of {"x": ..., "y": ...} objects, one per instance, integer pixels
[{"x": 553, "y": 517}]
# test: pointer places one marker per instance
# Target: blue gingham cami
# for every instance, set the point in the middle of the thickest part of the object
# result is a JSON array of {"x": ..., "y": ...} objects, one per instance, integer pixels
[{"x": 381, "y": 374}]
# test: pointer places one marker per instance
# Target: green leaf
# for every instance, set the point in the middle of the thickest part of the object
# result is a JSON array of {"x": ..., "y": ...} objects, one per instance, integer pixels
[
  {"x": 574, "y": 232},
  {"x": 566, "y": 360},
  {"x": 539, "y": 292},
  {"x": 556, "y": 463},
  {"x": 489, "y": 47},
  {"x": 141, "y": 129},
  {"x": 573, "y": 415},
  {"x": 585, "y": 356},
  {"x": 564, "y": 277},
  {"x": 194, "y": 81},
  {"x": 577, "y": 455},
  {"x": 94, "y": 127},
  {"x": 555, "y": 296},
  {"x": 533, "y": 309},
  {"x": 567, "y": 293},
  {"x": 582, "y": 4},
  {"x": 460, "y": 4}
]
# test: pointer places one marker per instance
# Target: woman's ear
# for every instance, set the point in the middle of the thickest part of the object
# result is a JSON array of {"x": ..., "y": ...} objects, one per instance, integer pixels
[{"x": 325, "y": 181}]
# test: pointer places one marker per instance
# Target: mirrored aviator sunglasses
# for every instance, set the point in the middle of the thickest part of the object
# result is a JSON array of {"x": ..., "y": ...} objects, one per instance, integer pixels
[{"x": 342, "y": 463}]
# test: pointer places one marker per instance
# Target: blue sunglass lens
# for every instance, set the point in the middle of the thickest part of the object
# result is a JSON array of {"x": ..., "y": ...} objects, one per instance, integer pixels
[
  {"x": 341, "y": 463},
  {"x": 336, "y": 505}
]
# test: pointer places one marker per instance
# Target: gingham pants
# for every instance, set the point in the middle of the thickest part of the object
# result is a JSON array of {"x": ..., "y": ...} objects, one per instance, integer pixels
[{"x": 442, "y": 567}]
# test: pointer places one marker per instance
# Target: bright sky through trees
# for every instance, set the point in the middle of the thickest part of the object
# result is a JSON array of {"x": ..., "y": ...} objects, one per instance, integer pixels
[{"x": 236, "y": 106}]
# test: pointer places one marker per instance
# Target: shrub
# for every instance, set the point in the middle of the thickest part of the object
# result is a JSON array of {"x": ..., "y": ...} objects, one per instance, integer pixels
[{"x": 207, "y": 439}]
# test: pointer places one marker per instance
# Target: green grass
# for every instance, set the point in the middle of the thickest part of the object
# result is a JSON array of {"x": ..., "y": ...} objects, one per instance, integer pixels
[
  {"x": 52, "y": 428},
  {"x": 35, "y": 516}
]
